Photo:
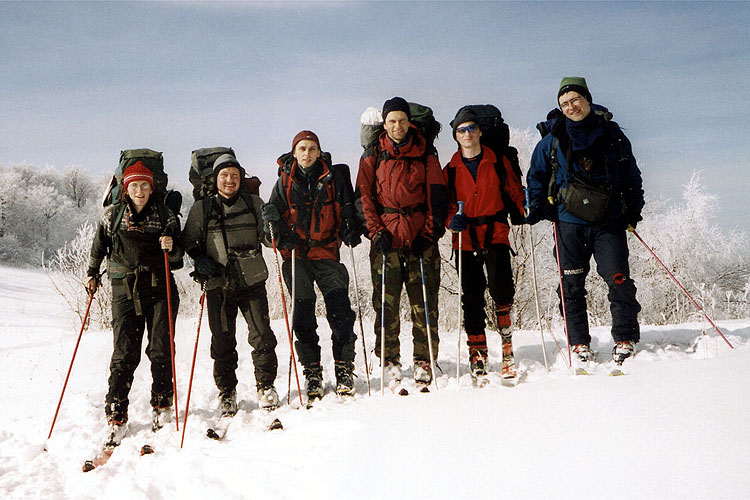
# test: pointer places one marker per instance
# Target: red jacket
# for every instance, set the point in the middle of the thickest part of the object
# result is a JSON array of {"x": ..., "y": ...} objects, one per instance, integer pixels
[
  {"x": 402, "y": 190},
  {"x": 482, "y": 199}
]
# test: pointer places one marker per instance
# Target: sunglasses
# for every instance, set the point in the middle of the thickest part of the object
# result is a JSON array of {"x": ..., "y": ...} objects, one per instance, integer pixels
[{"x": 467, "y": 129}]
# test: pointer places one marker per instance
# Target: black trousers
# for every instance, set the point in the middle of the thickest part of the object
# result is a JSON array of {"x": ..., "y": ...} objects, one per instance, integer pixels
[
  {"x": 609, "y": 247},
  {"x": 128, "y": 329},
  {"x": 222, "y": 305},
  {"x": 332, "y": 279},
  {"x": 474, "y": 282}
]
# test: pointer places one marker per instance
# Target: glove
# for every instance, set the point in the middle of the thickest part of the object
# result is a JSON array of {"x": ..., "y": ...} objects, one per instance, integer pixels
[
  {"x": 541, "y": 209},
  {"x": 205, "y": 269},
  {"x": 289, "y": 240},
  {"x": 458, "y": 223},
  {"x": 350, "y": 234},
  {"x": 271, "y": 216},
  {"x": 631, "y": 220},
  {"x": 419, "y": 245},
  {"x": 383, "y": 241}
]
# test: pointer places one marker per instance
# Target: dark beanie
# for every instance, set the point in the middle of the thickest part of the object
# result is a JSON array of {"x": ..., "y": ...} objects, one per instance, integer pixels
[
  {"x": 305, "y": 135},
  {"x": 396, "y": 104},
  {"x": 465, "y": 114},
  {"x": 574, "y": 84},
  {"x": 226, "y": 161}
]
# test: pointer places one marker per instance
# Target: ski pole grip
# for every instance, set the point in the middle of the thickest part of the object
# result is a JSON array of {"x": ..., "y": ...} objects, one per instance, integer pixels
[{"x": 460, "y": 207}]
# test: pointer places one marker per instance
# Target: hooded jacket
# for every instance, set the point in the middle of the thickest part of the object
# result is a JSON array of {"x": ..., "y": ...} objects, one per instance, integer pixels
[
  {"x": 613, "y": 165},
  {"x": 402, "y": 189}
]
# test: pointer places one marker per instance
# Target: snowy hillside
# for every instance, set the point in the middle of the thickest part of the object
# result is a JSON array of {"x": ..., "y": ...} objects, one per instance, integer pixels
[{"x": 674, "y": 427}]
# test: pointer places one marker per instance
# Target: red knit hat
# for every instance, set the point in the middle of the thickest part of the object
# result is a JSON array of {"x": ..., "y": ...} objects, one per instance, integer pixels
[
  {"x": 305, "y": 135},
  {"x": 137, "y": 172}
]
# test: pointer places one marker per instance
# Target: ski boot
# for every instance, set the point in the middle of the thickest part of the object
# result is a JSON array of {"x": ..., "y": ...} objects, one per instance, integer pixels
[
  {"x": 116, "y": 431},
  {"x": 313, "y": 381},
  {"x": 268, "y": 399},
  {"x": 344, "y": 378},
  {"x": 422, "y": 374},
  {"x": 228, "y": 403},
  {"x": 478, "y": 367},
  {"x": 509, "y": 373},
  {"x": 623, "y": 350},
  {"x": 160, "y": 417}
]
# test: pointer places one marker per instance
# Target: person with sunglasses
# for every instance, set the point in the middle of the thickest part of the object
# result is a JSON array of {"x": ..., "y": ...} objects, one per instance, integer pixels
[
  {"x": 490, "y": 190},
  {"x": 583, "y": 177}
]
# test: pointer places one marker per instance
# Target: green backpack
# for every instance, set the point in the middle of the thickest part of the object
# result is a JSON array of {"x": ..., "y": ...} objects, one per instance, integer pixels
[
  {"x": 153, "y": 160},
  {"x": 421, "y": 116},
  {"x": 202, "y": 170}
]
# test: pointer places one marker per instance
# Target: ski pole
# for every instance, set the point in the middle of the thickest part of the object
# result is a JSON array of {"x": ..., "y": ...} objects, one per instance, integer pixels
[
  {"x": 192, "y": 370},
  {"x": 293, "y": 297},
  {"x": 382, "y": 329},
  {"x": 562, "y": 292},
  {"x": 75, "y": 351},
  {"x": 534, "y": 283},
  {"x": 460, "y": 291},
  {"x": 359, "y": 313},
  {"x": 171, "y": 336},
  {"x": 286, "y": 316},
  {"x": 427, "y": 323},
  {"x": 679, "y": 285}
]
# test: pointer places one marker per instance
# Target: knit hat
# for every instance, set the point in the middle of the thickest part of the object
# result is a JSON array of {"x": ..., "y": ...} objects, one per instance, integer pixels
[
  {"x": 226, "y": 161},
  {"x": 396, "y": 104},
  {"x": 574, "y": 84},
  {"x": 305, "y": 135},
  {"x": 137, "y": 172},
  {"x": 465, "y": 114}
]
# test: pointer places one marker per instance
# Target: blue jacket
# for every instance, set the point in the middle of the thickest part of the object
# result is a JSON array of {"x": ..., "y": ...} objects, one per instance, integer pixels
[{"x": 623, "y": 177}]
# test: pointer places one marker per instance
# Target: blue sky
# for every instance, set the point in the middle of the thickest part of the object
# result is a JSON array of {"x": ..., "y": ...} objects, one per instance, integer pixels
[{"x": 81, "y": 81}]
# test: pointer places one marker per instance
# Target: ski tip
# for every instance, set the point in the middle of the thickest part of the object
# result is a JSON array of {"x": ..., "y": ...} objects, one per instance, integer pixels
[
  {"x": 212, "y": 434},
  {"x": 88, "y": 466},
  {"x": 424, "y": 389},
  {"x": 616, "y": 373},
  {"x": 403, "y": 392},
  {"x": 581, "y": 371},
  {"x": 146, "y": 449},
  {"x": 275, "y": 425}
]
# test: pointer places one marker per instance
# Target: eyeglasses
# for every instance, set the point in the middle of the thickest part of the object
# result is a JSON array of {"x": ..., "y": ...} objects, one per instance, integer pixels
[
  {"x": 467, "y": 129},
  {"x": 574, "y": 101}
]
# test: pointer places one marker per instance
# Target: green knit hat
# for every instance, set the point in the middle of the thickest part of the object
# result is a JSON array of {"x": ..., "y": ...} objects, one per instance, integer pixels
[{"x": 574, "y": 84}]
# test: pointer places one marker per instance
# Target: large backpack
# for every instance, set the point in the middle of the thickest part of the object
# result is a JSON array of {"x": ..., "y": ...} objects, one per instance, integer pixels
[
  {"x": 496, "y": 136},
  {"x": 201, "y": 173},
  {"x": 153, "y": 160},
  {"x": 421, "y": 116}
]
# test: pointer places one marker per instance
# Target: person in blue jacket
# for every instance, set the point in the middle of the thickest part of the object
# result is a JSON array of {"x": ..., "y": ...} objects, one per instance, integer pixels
[{"x": 584, "y": 178}]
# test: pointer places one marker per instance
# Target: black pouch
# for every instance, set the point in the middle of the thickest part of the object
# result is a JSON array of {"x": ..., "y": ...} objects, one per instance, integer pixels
[
  {"x": 585, "y": 201},
  {"x": 247, "y": 268}
]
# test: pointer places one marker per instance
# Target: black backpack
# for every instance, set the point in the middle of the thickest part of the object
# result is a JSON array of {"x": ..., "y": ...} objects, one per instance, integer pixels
[{"x": 496, "y": 136}]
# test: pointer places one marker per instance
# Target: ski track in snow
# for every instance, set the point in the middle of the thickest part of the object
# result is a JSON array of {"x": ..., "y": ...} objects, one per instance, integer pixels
[{"x": 673, "y": 427}]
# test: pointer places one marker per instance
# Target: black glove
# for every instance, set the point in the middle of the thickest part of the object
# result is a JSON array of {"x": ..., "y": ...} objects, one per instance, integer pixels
[
  {"x": 383, "y": 241},
  {"x": 458, "y": 223},
  {"x": 205, "y": 269},
  {"x": 289, "y": 240},
  {"x": 419, "y": 245},
  {"x": 271, "y": 217},
  {"x": 541, "y": 209},
  {"x": 631, "y": 220},
  {"x": 350, "y": 234}
]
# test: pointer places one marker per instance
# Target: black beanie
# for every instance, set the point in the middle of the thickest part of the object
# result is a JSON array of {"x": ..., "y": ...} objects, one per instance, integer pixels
[
  {"x": 396, "y": 104},
  {"x": 465, "y": 114}
]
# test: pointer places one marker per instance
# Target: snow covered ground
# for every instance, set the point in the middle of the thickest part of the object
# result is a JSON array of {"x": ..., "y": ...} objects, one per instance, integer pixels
[{"x": 676, "y": 426}]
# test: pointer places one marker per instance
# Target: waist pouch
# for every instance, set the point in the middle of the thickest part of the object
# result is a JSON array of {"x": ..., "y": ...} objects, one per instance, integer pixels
[
  {"x": 585, "y": 201},
  {"x": 246, "y": 268}
]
